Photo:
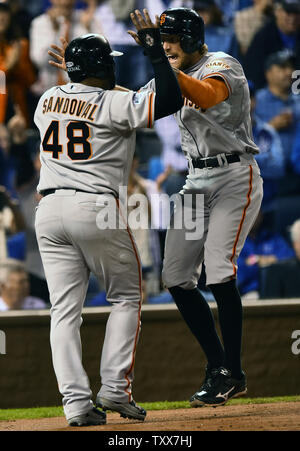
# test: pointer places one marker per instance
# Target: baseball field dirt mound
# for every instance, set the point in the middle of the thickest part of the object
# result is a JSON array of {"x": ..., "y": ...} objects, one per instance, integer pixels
[{"x": 281, "y": 416}]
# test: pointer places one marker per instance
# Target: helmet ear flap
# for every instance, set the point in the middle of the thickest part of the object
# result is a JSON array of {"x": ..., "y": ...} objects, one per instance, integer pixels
[{"x": 105, "y": 71}]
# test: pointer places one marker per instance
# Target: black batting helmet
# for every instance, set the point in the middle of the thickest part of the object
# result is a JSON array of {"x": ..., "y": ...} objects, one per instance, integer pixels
[
  {"x": 90, "y": 56},
  {"x": 186, "y": 23}
]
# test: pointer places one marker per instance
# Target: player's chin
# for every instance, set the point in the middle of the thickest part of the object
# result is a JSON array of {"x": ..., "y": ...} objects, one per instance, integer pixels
[{"x": 177, "y": 63}]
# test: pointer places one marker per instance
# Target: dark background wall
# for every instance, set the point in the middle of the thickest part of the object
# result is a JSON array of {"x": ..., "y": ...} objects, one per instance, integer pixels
[{"x": 169, "y": 362}]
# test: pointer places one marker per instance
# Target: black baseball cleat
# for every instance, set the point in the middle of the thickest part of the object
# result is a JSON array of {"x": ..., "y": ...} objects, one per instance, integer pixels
[
  {"x": 93, "y": 417},
  {"x": 127, "y": 410},
  {"x": 207, "y": 380},
  {"x": 218, "y": 388}
]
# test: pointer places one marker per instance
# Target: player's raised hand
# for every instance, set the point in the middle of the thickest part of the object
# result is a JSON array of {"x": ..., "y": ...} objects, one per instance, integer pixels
[
  {"x": 142, "y": 22},
  {"x": 59, "y": 54},
  {"x": 87, "y": 14}
]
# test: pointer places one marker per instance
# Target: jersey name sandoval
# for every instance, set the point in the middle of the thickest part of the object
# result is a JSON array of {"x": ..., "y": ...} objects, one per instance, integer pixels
[
  {"x": 224, "y": 128},
  {"x": 88, "y": 136},
  {"x": 72, "y": 107}
]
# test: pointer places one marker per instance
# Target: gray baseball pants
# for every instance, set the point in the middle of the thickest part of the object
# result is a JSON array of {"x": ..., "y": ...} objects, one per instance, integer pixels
[
  {"x": 72, "y": 245},
  {"x": 231, "y": 198}
]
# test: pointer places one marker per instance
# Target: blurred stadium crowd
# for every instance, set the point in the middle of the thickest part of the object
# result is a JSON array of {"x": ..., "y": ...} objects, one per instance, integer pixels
[{"x": 264, "y": 35}]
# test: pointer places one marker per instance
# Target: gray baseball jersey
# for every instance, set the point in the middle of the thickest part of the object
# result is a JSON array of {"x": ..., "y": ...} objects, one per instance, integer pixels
[
  {"x": 231, "y": 193},
  {"x": 224, "y": 128},
  {"x": 88, "y": 136},
  {"x": 87, "y": 145}
]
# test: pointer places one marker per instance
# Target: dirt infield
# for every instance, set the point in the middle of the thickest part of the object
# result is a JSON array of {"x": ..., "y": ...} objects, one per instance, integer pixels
[{"x": 283, "y": 416}]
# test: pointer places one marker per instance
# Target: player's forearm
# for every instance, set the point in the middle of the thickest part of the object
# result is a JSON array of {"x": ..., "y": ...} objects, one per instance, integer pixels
[
  {"x": 168, "y": 98},
  {"x": 204, "y": 93}
]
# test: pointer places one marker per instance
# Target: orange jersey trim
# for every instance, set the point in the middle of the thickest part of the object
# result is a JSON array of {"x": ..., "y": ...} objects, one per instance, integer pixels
[
  {"x": 140, "y": 305},
  {"x": 150, "y": 111},
  {"x": 242, "y": 222}
]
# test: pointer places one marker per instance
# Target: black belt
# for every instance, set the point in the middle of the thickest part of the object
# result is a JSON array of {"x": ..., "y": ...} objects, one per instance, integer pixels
[
  {"x": 202, "y": 163},
  {"x": 46, "y": 192}
]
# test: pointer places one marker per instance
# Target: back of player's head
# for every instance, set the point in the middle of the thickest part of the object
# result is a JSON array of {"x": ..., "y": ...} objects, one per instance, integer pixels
[
  {"x": 187, "y": 24},
  {"x": 90, "y": 56}
]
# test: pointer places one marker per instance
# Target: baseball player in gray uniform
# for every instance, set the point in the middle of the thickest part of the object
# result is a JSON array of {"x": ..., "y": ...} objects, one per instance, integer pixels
[
  {"x": 87, "y": 131},
  {"x": 217, "y": 140}
]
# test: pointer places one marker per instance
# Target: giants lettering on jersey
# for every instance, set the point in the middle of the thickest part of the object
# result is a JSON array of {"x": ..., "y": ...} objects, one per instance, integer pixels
[
  {"x": 218, "y": 64},
  {"x": 74, "y": 107},
  {"x": 190, "y": 104}
]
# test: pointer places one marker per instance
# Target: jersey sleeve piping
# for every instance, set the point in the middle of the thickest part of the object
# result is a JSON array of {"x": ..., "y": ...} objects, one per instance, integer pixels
[{"x": 150, "y": 111}]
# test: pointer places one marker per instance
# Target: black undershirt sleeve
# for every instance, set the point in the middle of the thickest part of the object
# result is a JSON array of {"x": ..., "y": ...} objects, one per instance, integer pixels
[{"x": 168, "y": 98}]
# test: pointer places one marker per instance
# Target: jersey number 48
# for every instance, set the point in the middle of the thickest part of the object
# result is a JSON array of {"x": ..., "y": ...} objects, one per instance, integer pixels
[{"x": 78, "y": 134}]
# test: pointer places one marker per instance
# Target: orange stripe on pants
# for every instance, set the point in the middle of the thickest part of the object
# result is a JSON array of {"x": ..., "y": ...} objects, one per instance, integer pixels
[
  {"x": 242, "y": 222},
  {"x": 140, "y": 305}
]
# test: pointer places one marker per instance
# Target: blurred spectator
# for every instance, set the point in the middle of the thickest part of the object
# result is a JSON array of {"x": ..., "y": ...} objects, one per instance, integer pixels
[
  {"x": 138, "y": 185},
  {"x": 230, "y": 7},
  {"x": 15, "y": 288},
  {"x": 22, "y": 174},
  {"x": 34, "y": 7},
  {"x": 279, "y": 107},
  {"x": 282, "y": 280},
  {"x": 217, "y": 36},
  {"x": 248, "y": 21},
  {"x": 133, "y": 69},
  {"x": 295, "y": 155},
  {"x": 271, "y": 159},
  {"x": 262, "y": 248},
  {"x": 15, "y": 63},
  {"x": 145, "y": 232},
  {"x": 61, "y": 20},
  {"x": 79, "y": 4},
  {"x": 6, "y": 162},
  {"x": 283, "y": 32},
  {"x": 160, "y": 209},
  {"x": 11, "y": 220},
  {"x": 12, "y": 137},
  {"x": 172, "y": 158},
  {"x": 21, "y": 17}
]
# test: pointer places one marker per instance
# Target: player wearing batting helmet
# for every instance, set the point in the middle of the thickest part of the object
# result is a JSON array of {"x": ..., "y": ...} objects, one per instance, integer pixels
[
  {"x": 216, "y": 136},
  {"x": 91, "y": 56},
  {"x": 87, "y": 131}
]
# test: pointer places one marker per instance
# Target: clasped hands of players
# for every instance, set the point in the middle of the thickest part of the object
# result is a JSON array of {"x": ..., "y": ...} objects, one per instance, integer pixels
[{"x": 139, "y": 21}]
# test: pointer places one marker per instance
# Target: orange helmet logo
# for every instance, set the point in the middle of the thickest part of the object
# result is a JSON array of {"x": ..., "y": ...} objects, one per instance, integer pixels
[{"x": 162, "y": 19}]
